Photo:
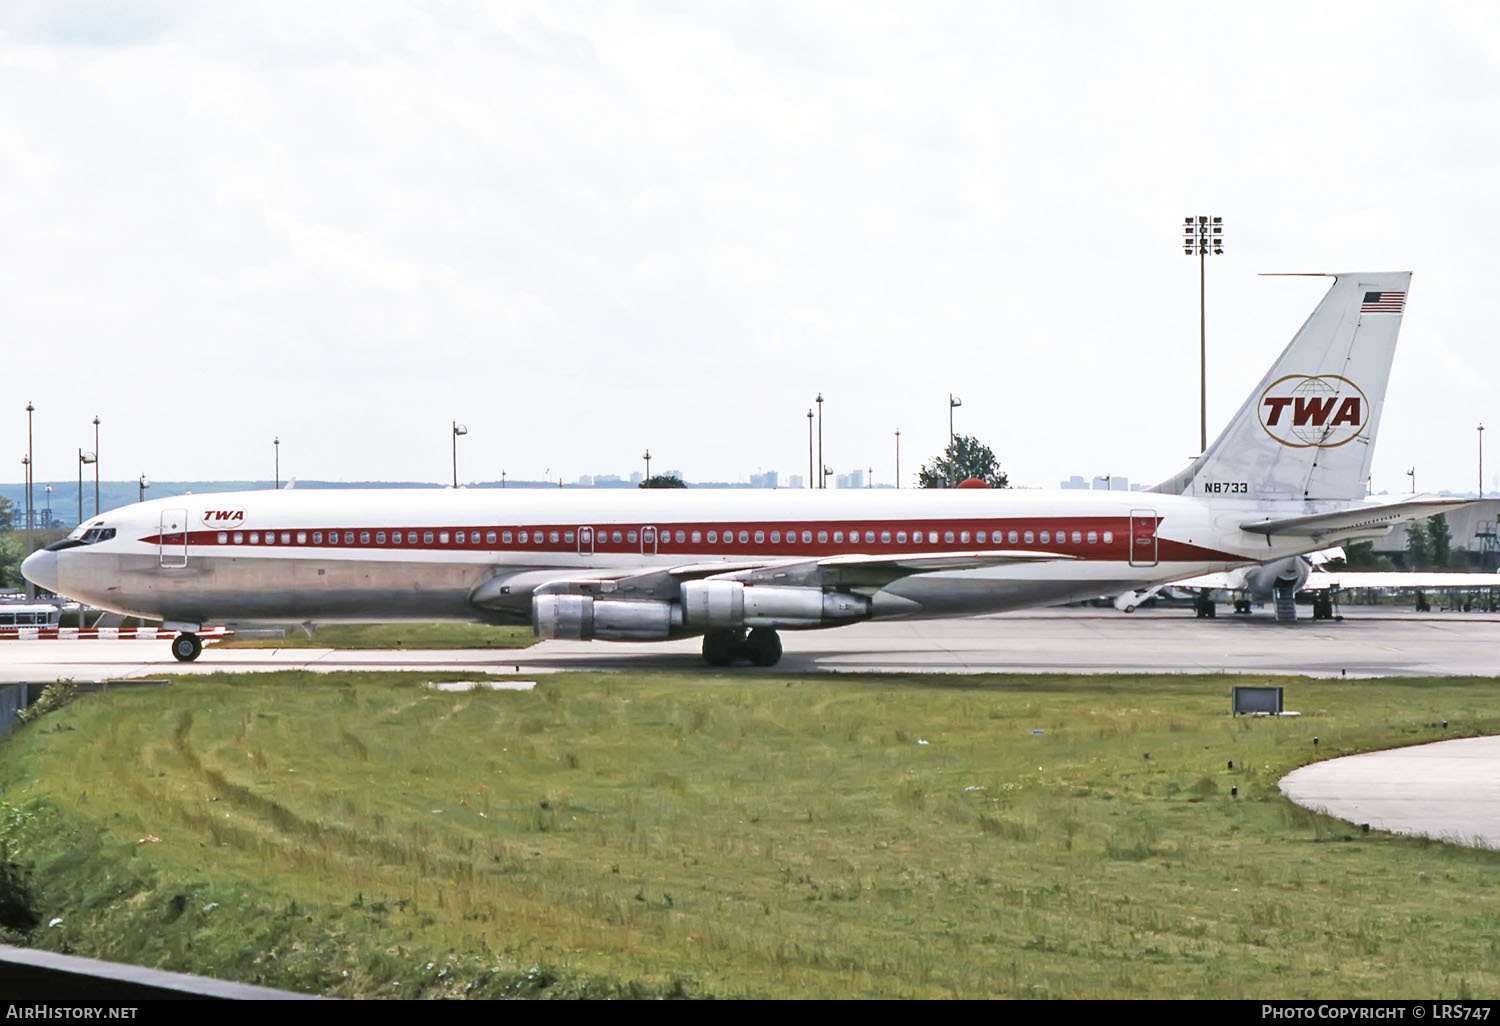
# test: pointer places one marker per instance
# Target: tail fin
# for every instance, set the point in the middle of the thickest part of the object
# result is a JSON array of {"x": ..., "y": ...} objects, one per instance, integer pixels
[{"x": 1308, "y": 429}]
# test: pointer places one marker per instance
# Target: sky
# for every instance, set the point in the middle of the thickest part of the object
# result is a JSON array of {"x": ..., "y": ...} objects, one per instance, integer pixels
[{"x": 585, "y": 230}]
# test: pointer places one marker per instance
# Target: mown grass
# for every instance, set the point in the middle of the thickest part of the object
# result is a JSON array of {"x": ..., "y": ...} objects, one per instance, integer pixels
[
  {"x": 744, "y": 835},
  {"x": 394, "y": 635}
]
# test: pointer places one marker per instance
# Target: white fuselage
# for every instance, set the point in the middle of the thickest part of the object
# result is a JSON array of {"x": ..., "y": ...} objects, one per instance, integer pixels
[{"x": 352, "y": 555}]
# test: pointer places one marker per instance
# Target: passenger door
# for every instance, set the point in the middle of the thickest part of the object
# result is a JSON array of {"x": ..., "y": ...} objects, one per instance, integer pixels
[{"x": 171, "y": 547}]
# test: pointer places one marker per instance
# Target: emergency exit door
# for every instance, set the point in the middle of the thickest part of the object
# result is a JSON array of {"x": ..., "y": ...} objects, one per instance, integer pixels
[{"x": 171, "y": 546}]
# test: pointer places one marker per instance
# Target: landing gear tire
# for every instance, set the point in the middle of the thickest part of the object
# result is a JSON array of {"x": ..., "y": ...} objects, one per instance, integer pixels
[
  {"x": 1204, "y": 607},
  {"x": 722, "y": 648},
  {"x": 763, "y": 647},
  {"x": 187, "y": 647}
]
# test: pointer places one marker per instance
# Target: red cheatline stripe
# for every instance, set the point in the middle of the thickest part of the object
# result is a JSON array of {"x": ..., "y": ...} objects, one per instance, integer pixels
[{"x": 564, "y": 538}]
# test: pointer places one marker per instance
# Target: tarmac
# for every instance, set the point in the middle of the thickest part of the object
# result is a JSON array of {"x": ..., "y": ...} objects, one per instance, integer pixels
[
  {"x": 1449, "y": 790},
  {"x": 1368, "y": 642}
]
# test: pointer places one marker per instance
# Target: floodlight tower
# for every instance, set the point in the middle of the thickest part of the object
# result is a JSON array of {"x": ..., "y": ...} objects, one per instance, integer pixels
[{"x": 1201, "y": 236}]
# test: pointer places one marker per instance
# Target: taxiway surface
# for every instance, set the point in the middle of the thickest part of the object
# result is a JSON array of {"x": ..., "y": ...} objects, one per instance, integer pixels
[{"x": 1367, "y": 643}]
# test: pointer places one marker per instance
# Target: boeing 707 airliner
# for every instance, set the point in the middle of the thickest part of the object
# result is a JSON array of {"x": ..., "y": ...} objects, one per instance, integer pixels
[{"x": 1287, "y": 476}]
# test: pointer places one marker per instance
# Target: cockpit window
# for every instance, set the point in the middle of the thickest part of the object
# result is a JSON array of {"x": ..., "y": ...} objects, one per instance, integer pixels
[{"x": 89, "y": 537}]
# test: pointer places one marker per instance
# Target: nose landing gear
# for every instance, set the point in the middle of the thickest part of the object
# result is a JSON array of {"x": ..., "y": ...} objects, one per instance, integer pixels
[{"x": 186, "y": 647}]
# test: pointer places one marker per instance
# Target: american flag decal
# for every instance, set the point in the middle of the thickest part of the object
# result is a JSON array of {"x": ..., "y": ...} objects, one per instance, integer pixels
[{"x": 1383, "y": 302}]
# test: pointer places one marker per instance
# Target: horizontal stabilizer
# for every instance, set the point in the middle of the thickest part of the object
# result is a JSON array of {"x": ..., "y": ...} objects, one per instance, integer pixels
[{"x": 1359, "y": 520}]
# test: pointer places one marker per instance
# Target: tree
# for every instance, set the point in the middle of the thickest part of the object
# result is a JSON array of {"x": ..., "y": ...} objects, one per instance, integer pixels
[
  {"x": 7, "y": 514},
  {"x": 1439, "y": 541},
  {"x": 965, "y": 457},
  {"x": 10, "y": 560},
  {"x": 1418, "y": 546},
  {"x": 662, "y": 481}
]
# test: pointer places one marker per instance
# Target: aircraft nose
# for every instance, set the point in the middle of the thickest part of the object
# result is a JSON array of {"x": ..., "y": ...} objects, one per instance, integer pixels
[{"x": 40, "y": 568}]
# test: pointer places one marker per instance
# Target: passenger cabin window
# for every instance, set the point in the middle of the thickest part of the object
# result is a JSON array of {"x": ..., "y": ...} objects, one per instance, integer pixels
[
  {"x": 713, "y": 536},
  {"x": 462, "y": 538},
  {"x": 1011, "y": 537},
  {"x": 760, "y": 537},
  {"x": 806, "y": 537},
  {"x": 223, "y": 537},
  {"x": 443, "y": 538},
  {"x": 1046, "y": 538},
  {"x": 698, "y": 536},
  {"x": 1109, "y": 537},
  {"x": 947, "y": 537},
  {"x": 379, "y": 537},
  {"x": 1093, "y": 537},
  {"x": 822, "y": 537},
  {"x": 254, "y": 537},
  {"x": 505, "y": 538},
  {"x": 364, "y": 537},
  {"x": 900, "y": 537},
  {"x": 426, "y": 537},
  {"x": 1028, "y": 538},
  {"x": 1077, "y": 537},
  {"x": 885, "y": 537},
  {"x": 838, "y": 537}
]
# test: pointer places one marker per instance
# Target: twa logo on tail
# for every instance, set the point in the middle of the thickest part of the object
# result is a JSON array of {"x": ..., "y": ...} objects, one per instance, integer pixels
[{"x": 1323, "y": 410}]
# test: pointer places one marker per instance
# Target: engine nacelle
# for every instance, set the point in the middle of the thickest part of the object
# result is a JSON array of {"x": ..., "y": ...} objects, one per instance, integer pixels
[
  {"x": 727, "y": 605},
  {"x": 1289, "y": 572},
  {"x": 583, "y": 617}
]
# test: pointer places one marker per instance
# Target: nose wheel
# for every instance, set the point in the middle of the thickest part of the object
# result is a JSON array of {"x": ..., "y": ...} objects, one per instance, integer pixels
[{"x": 187, "y": 647}]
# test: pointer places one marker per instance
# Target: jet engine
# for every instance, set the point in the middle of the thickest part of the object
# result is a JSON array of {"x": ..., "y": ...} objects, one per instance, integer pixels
[
  {"x": 716, "y": 605},
  {"x": 1263, "y": 581},
  {"x": 582, "y": 617}
]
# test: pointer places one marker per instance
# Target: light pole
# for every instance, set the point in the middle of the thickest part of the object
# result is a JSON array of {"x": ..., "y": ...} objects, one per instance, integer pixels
[
  {"x": 84, "y": 458},
  {"x": 647, "y": 458},
  {"x": 898, "y": 459},
  {"x": 30, "y": 478},
  {"x": 458, "y": 429},
  {"x": 870, "y": 477},
  {"x": 96, "y": 465},
  {"x": 1412, "y": 473},
  {"x": 953, "y": 403},
  {"x": 47, "y": 517},
  {"x": 1201, "y": 236},
  {"x": 1481, "y": 460},
  {"x": 822, "y": 468},
  {"x": 276, "y": 447},
  {"x": 810, "y": 483},
  {"x": 144, "y": 485}
]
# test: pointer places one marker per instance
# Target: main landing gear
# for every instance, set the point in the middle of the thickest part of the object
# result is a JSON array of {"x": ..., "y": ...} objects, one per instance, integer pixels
[
  {"x": 724, "y": 648},
  {"x": 187, "y": 646}
]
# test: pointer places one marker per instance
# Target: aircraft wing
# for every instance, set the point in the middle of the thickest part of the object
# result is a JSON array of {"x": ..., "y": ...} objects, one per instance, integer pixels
[
  {"x": 851, "y": 571},
  {"x": 1361, "y": 520}
]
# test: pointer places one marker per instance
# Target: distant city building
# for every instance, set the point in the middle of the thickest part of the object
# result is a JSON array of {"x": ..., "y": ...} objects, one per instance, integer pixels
[
  {"x": 794, "y": 481},
  {"x": 766, "y": 480},
  {"x": 586, "y": 480},
  {"x": 1114, "y": 483},
  {"x": 609, "y": 479},
  {"x": 636, "y": 478},
  {"x": 854, "y": 479}
]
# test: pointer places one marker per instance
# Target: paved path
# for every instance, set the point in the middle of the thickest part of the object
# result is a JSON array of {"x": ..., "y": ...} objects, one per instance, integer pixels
[
  {"x": 1366, "y": 644},
  {"x": 1449, "y": 790}
]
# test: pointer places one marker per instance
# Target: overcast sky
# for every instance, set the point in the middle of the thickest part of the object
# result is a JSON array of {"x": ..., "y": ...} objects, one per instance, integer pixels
[{"x": 587, "y": 229}]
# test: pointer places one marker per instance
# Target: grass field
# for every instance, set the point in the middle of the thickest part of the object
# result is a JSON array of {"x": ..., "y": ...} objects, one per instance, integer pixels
[
  {"x": 740, "y": 835},
  {"x": 394, "y": 635}
]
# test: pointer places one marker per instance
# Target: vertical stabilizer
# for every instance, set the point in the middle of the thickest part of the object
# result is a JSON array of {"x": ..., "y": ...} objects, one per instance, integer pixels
[{"x": 1308, "y": 429}]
